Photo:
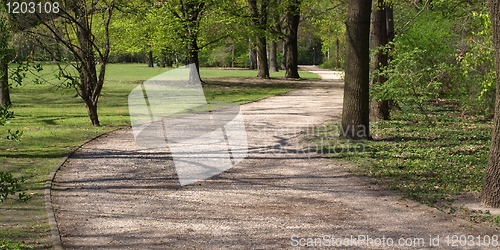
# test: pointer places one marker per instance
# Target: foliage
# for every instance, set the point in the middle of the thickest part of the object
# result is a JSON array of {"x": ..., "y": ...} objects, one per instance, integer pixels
[
  {"x": 478, "y": 76},
  {"x": 436, "y": 58},
  {"x": 409, "y": 83},
  {"x": 10, "y": 185},
  {"x": 421, "y": 64},
  {"x": 5, "y": 116}
]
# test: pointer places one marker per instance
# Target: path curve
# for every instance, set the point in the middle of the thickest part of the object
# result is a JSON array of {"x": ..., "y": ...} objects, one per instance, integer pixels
[{"x": 111, "y": 194}]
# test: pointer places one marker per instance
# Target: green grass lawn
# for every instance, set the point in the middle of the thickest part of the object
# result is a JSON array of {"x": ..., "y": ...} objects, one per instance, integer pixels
[{"x": 55, "y": 122}]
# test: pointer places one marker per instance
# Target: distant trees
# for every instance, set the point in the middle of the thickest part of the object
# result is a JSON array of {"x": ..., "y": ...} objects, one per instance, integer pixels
[
  {"x": 490, "y": 196},
  {"x": 355, "y": 112},
  {"x": 187, "y": 29}
]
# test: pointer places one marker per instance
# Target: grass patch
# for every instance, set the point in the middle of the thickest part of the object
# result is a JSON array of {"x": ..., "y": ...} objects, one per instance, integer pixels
[
  {"x": 428, "y": 163},
  {"x": 55, "y": 122}
]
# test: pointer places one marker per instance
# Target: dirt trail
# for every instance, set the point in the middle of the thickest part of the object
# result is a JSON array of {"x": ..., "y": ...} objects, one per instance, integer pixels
[{"x": 114, "y": 195}]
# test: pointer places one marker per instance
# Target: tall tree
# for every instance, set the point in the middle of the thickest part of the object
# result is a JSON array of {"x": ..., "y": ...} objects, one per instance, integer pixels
[
  {"x": 291, "y": 29},
  {"x": 258, "y": 11},
  {"x": 73, "y": 26},
  {"x": 197, "y": 24},
  {"x": 189, "y": 14},
  {"x": 379, "y": 40},
  {"x": 490, "y": 196},
  {"x": 356, "y": 108}
]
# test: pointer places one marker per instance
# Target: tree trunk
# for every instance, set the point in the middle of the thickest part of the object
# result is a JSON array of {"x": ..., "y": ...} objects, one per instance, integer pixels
[
  {"x": 273, "y": 62},
  {"x": 253, "y": 59},
  {"x": 283, "y": 58},
  {"x": 379, "y": 108},
  {"x": 356, "y": 106},
  {"x": 92, "y": 112},
  {"x": 193, "y": 50},
  {"x": 192, "y": 14},
  {"x": 337, "y": 54},
  {"x": 259, "y": 20},
  {"x": 262, "y": 64},
  {"x": 232, "y": 55},
  {"x": 490, "y": 196},
  {"x": 150, "y": 59},
  {"x": 389, "y": 19},
  {"x": 4, "y": 84},
  {"x": 252, "y": 56},
  {"x": 91, "y": 81},
  {"x": 88, "y": 89},
  {"x": 389, "y": 15},
  {"x": 292, "y": 28}
]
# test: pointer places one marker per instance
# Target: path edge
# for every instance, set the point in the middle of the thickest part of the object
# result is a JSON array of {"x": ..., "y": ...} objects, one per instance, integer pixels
[{"x": 54, "y": 228}]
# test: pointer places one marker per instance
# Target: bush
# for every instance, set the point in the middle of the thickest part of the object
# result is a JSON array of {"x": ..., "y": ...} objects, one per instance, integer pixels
[
  {"x": 422, "y": 63},
  {"x": 432, "y": 63}
]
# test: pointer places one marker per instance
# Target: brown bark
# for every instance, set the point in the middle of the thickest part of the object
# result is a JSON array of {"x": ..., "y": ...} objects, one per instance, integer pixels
[
  {"x": 190, "y": 16},
  {"x": 259, "y": 20},
  {"x": 193, "y": 50},
  {"x": 262, "y": 65},
  {"x": 337, "y": 54},
  {"x": 379, "y": 109},
  {"x": 490, "y": 196},
  {"x": 356, "y": 109},
  {"x": 292, "y": 19},
  {"x": 273, "y": 61},
  {"x": 389, "y": 16},
  {"x": 283, "y": 58},
  {"x": 4, "y": 84},
  {"x": 89, "y": 89},
  {"x": 150, "y": 59},
  {"x": 192, "y": 13}
]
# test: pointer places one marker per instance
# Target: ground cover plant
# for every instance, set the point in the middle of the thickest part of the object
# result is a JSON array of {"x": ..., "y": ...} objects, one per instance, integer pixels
[
  {"x": 54, "y": 122},
  {"x": 430, "y": 163}
]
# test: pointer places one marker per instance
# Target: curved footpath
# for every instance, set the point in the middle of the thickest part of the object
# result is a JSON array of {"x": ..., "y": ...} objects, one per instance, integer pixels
[{"x": 112, "y": 194}]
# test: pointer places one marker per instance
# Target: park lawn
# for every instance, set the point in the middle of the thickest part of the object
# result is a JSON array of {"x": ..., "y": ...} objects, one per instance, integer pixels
[
  {"x": 432, "y": 164},
  {"x": 54, "y": 122}
]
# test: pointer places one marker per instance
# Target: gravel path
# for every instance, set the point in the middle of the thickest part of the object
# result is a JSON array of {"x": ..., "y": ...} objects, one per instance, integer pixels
[{"x": 114, "y": 195}]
